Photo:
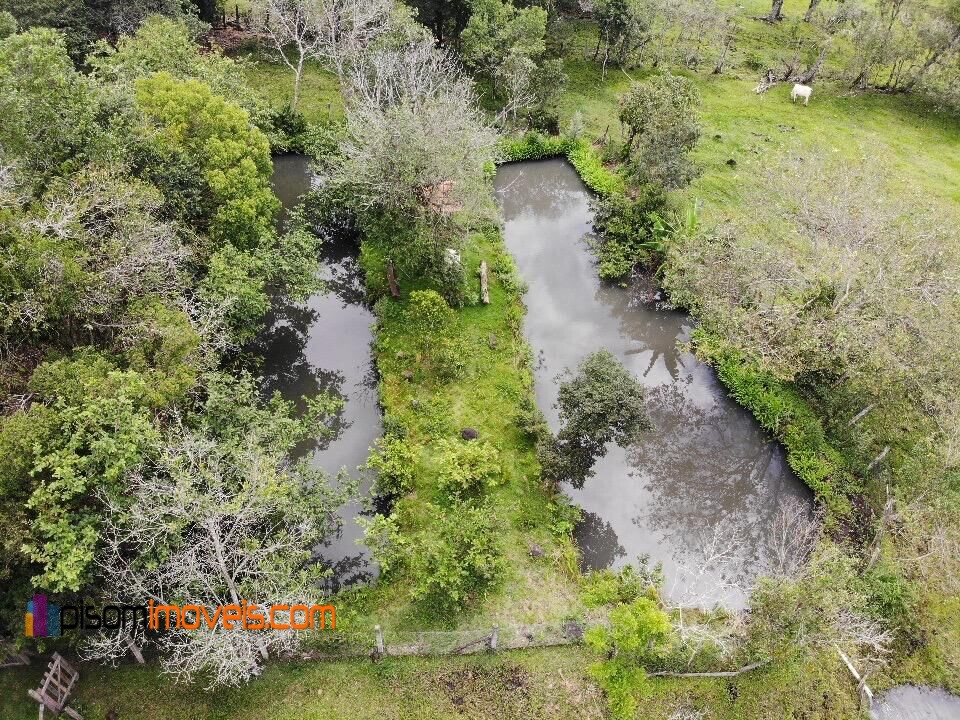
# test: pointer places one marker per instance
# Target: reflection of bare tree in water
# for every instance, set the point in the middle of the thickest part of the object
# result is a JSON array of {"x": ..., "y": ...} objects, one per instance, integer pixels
[
  {"x": 708, "y": 465},
  {"x": 655, "y": 331},
  {"x": 597, "y": 541}
]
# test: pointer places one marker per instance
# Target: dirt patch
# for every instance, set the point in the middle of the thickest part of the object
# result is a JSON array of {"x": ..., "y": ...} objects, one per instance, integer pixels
[{"x": 496, "y": 692}]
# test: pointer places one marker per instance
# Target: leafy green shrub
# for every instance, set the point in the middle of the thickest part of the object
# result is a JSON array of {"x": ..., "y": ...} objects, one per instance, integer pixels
[
  {"x": 660, "y": 115},
  {"x": 8, "y": 24},
  {"x": 624, "y": 230},
  {"x": 394, "y": 459},
  {"x": 458, "y": 557},
  {"x": 891, "y": 596},
  {"x": 287, "y": 129},
  {"x": 636, "y": 635},
  {"x": 531, "y": 421},
  {"x": 754, "y": 61},
  {"x": 602, "y": 403},
  {"x": 591, "y": 170},
  {"x": 564, "y": 516},
  {"x": 606, "y": 587},
  {"x": 534, "y": 146},
  {"x": 387, "y": 544},
  {"x": 432, "y": 322},
  {"x": 468, "y": 467}
]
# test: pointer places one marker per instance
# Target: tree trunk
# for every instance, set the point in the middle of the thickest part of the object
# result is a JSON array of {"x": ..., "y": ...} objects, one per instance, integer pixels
[
  {"x": 932, "y": 60},
  {"x": 810, "y": 10},
  {"x": 811, "y": 73},
  {"x": 135, "y": 651},
  {"x": 776, "y": 11},
  {"x": 297, "y": 80}
]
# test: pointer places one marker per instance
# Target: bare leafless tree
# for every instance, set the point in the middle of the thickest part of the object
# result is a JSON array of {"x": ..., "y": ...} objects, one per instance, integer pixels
[
  {"x": 416, "y": 139},
  {"x": 331, "y": 31},
  {"x": 211, "y": 525},
  {"x": 847, "y": 272},
  {"x": 793, "y": 538}
]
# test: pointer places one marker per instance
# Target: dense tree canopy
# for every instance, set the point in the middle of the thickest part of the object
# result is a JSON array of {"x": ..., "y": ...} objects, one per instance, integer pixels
[{"x": 137, "y": 240}]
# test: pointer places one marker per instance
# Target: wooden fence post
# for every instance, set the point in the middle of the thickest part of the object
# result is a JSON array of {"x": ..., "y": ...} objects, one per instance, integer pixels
[
  {"x": 392, "y": 280},
  {"x": 494, "y": 637},
  {"x": 484, "y": 283},
  {"x": 380, "y": 648}
]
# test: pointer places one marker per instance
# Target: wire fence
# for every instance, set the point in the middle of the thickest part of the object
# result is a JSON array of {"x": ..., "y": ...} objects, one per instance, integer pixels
[{"x": 379, "y": 642}]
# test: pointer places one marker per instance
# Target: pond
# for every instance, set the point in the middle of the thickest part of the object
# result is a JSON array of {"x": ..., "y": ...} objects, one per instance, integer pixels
[
  {"x": 324, "y": 344},
  {"x": 910, "y": 702},
  {"x": 706, "y": 478}
]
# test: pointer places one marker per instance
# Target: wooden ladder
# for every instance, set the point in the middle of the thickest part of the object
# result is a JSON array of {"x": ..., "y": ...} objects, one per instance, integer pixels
[{"x": 54, "y": 693}]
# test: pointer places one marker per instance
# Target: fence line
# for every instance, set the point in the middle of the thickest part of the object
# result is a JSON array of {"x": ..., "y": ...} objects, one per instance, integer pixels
[{"x": 398, "y": 643}]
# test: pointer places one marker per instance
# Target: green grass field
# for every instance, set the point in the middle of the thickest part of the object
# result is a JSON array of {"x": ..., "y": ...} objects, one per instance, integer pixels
[
  {"x": 320, "y": 98},
  {"x": 547, "y": 684},
  {"x": 919, "y": 147}
]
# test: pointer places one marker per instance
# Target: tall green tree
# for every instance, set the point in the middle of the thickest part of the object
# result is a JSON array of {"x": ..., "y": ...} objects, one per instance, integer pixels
[
  {"x": 603, "y": 402},
  {"x": 660, "y": 115}
]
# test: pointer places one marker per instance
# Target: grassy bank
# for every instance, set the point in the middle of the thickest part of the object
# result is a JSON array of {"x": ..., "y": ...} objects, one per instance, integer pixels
[{"x": 491, "y": 394}]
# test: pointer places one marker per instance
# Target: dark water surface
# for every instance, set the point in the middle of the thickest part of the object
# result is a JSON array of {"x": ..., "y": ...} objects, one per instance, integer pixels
[
  {"x": 909, "y": 702},
  {"x": 707, "y": 474},
  {"x": 325, "y": 344}
]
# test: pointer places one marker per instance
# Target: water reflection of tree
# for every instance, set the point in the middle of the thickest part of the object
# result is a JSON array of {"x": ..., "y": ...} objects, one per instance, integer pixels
[
  {"x": 342, "y": 274},
  {"x": 597, "y": 541},
  {"x": 706, "y": 464},
  {"x": 346, "y": 571},
  {"x": 656, "y": 331},
  {"x": 551, "y": 193},
  {"x": 283, "y": 367}
]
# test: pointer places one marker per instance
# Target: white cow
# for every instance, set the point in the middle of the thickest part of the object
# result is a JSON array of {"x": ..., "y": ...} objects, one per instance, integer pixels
[{"x": 801, "y": 91}]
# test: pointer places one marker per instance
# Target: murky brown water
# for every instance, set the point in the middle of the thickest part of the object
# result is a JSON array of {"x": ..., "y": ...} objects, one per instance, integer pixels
[
  {"x": 707, "y": 471},
  {"x": 325, "y": 344},
  {"x": 909, "y": 702}
]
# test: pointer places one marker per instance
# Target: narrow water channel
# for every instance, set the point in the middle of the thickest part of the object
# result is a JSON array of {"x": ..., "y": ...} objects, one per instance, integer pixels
[
  {"x": 325, "y": 345},
  {"x": 706, "y": 471}
]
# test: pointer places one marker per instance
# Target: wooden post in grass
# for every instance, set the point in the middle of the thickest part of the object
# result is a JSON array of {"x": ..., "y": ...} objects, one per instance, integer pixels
[
  {"x": 392, "y": 280},
  {"x": 380, "y": 647},
  {"x": 484, "y": 283},
  {"x": 494, "y": 638},
  {"x": 236, "y": 14}
]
